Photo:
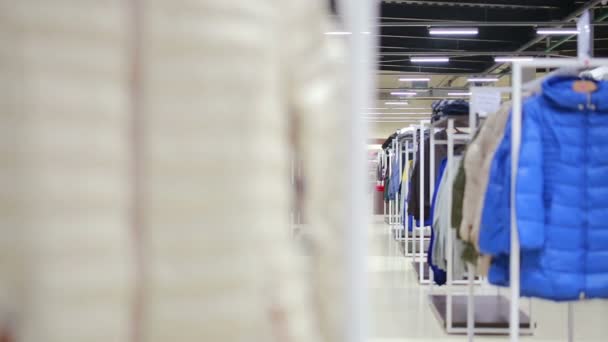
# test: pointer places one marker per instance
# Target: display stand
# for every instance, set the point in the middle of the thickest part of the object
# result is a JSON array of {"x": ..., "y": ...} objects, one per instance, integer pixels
[
  {"x": 405, "y": 145},
  {"x": 489, "y": 313}
]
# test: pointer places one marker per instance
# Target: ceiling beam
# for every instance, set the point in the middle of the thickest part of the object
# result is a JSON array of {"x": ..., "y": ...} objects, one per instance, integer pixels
[
  {"x": 565, "y": 39},
  {"x": 461, "y": 53},
  {"x": 485, "y": 24},
  {"x": 473, "y": 4},
  {"x": 419, "y": 68},
  {"x": 444, "y": 38},
  {"x": 571, "y": 17}
]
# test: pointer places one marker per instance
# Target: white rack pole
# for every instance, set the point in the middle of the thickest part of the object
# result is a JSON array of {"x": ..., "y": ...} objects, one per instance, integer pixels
[
  {"x": 359, "y": 16},
  {"x": 406, "y": 221},
  {"x": 432, "y": 168},
  {"x": 406, "y": 184},
  {"x": 515, "y": 252},
  {"x": 415, "y": 158},
  {"x": 384, "y": 182},
  {"x": 471, "y": 267},
  {"x": 398, "y": 161},
  {"x": 432, "y": 165},
  {"x": 449, "y": 248},
  {"x": 570, "y": 322},
  {"x": 390, "y": 176},
  {"x": 471, "y": 303},
  {"x": 421, "y": 218}
]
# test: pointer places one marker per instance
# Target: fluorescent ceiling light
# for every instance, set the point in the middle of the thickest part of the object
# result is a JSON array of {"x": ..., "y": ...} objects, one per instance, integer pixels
[
  {"x": 414, "y": 79},
  {"x": 419, "y": 113},
  {"x": 459, "y": 94},
  {"x": 403, "y": 93},
  {"x": 557, "y": 31},
  {"x": 394, "y": 121},
  {"x": 429, "y": 59},
  {"x": 483, "y": 79},
  {"x": 338, "y": 33},
  {"x": 402, "y": 103},
  {"x": 460, "y": 31},
  {"x": 513, "y": 59},
  {"x": 399, "y": 108}
]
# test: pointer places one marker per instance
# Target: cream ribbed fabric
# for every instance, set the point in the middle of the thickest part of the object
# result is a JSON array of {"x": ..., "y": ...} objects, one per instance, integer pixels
[
  {"x": 222, "y": 84},
  {"x": 65, "y": 169}
]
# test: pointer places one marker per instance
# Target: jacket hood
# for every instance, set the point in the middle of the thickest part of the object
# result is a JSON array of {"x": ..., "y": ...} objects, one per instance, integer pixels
[{"x": 559, "y": 90}]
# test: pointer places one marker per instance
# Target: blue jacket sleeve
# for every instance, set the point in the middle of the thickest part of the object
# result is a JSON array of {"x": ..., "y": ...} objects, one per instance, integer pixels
[{"x": 529, "y": 198}]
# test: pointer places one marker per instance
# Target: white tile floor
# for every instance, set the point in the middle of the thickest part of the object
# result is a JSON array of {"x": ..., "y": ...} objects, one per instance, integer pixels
[{"x": 400, "y": 310}]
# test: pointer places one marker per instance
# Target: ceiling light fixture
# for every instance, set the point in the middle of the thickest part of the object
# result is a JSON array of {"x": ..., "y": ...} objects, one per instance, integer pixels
[
  {"x": 338, "y": 33},
  {"x": 482, "y": 79},
  {"x": 414, "y": 79},
  {"x": 460, "y": 31},
  {"x": 507, "y": 59},
  {"x": 403, "y": 93},
  {"x": 402, "y": 103},
  {"x": 400, "y": 108},
  {"x": 429, "y": 59},
  {"x": 459, "y": 94},
  {"x": 396, "y": 121},
  {"x": 420, "y": 113},
  {"x": 556, "y": 31}
]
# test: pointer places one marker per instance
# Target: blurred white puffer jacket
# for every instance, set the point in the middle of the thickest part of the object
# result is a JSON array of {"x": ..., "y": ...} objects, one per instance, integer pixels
[{"x": 146, "y": 195}]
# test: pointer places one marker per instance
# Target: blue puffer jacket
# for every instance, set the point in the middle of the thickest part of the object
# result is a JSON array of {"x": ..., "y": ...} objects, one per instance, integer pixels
[{"x": 561, "y": 196}]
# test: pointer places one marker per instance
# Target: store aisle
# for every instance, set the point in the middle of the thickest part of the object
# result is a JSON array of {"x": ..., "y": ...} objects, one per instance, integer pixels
[{"x": 400, "y": 311}]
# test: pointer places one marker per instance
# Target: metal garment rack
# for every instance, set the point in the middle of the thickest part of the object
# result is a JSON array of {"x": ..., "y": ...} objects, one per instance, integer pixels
[
  {"x": 406, "y": 146},
  {"x": 393, "y": 216},
  {"x": 425, "y": 276},
  {"x": 497, "y": 325},
  {"x": 516, "y": 129},
  {"x": 384, "y": 157},
  {"x": 419, "y": 232},
  {"x": 451, "y": 307}
]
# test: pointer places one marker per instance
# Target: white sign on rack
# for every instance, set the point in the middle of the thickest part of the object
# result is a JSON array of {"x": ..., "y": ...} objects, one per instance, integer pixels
[{"x": 485, "y": 101}]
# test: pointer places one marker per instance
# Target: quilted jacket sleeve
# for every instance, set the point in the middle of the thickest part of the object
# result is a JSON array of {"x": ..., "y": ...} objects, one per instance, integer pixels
[{"x": 529, "y": 186}]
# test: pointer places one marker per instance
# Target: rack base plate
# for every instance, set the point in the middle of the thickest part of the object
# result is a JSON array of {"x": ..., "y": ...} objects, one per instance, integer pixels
[{"x": 491, "y": 313}]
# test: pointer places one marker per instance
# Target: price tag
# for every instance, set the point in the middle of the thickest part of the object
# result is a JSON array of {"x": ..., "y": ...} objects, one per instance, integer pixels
[{"x": 485, "y": 101}]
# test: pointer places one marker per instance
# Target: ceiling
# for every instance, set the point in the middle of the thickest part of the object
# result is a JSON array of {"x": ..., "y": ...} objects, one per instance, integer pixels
[
  {"x": 404, "y": 33},
  {"x": 506, "y": 28}
]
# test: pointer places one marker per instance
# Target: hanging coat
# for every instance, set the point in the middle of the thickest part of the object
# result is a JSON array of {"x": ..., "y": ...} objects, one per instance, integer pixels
[{"x": 561, "y": 191}]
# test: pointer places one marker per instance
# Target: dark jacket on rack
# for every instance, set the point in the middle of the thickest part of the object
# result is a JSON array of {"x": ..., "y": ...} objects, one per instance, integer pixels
[
  {"x": 441, "y": 151},
  {"x": 414, "y": 195},
  {"x": 387, "y": 143},
  {"x": 561, "y": 191},
  {"x": 444, "y": 108}
]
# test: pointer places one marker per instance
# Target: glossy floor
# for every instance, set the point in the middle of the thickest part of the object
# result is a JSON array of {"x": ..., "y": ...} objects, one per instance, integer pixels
[{"x": 400, "y": 310}]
